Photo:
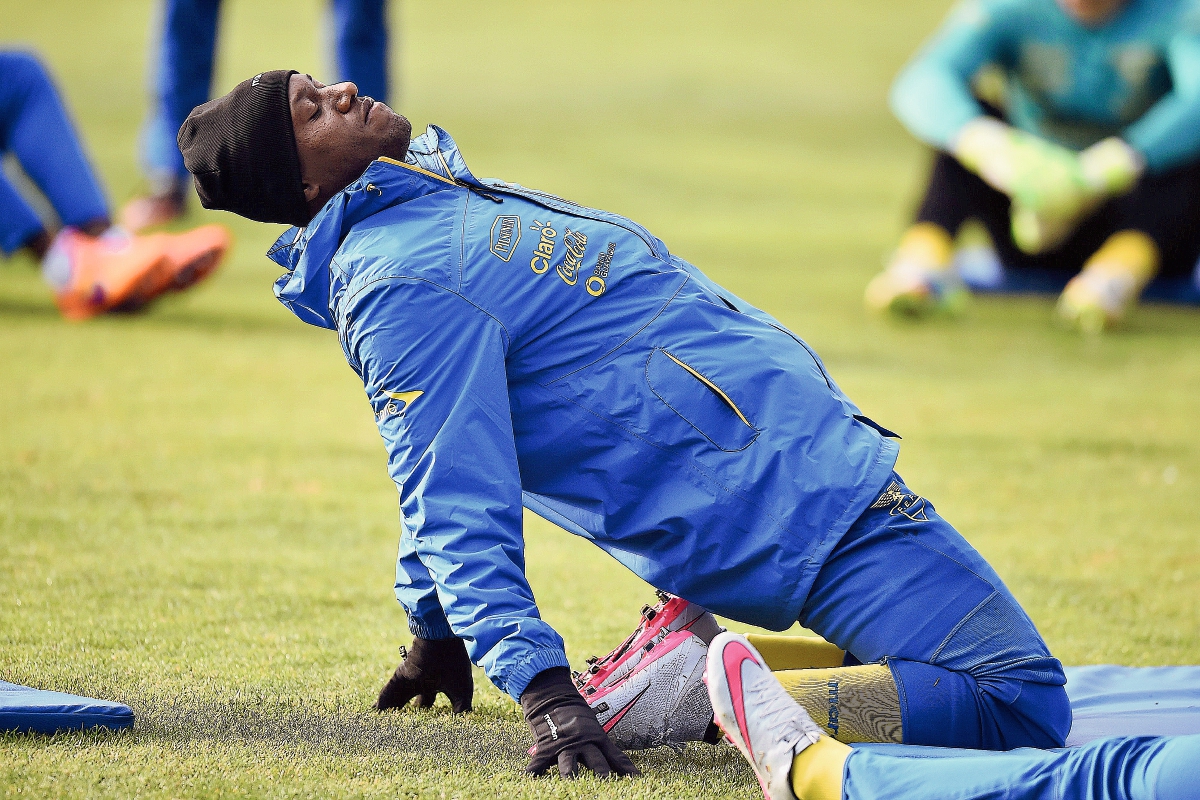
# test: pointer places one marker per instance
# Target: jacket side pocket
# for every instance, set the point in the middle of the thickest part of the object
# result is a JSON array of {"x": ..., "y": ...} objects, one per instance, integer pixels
[{"x": 700, "y": 402}]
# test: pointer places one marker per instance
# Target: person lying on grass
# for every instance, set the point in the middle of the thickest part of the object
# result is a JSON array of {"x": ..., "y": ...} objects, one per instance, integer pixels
[{"x": 520, "y": 349}]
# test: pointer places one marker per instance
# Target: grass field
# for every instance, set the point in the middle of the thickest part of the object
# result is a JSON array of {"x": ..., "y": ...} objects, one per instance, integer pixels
[{"x": 194, "y": 512}]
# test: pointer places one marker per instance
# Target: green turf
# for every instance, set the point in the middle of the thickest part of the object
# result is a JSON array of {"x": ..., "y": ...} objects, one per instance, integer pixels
[{"x": 194, "y": 512}]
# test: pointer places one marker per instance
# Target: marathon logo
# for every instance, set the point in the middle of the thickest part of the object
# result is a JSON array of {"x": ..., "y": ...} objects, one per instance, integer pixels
[{"x": 506, "y": 233}]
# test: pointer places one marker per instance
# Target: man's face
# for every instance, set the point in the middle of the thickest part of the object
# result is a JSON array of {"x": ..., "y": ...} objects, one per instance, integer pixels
[
  {"x": 1092, "y": 12},
  {"x": 339, "y": 133}
]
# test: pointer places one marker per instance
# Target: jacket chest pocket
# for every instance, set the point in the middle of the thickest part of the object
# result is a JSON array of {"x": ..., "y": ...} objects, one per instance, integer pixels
[{"x": 699, "y": 401}]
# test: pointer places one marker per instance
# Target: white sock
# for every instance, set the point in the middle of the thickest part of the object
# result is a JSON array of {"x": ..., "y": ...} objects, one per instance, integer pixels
[{"x": 56, "y": 265}]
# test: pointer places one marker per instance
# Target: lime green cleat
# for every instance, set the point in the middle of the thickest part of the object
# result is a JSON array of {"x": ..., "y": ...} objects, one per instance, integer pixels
[
  {"x": 1095, "y": 301},
  {"x": 1109, "y": 285},
  {"x": 919, "y": 279},
  {"x": 907, "y": 290}
]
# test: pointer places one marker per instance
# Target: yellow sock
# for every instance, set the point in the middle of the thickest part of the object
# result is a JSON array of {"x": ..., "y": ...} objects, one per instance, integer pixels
[
  {"x": 852, "y": 704},
  {"x": 796, "y": 652},
  {"x": 973, "y": 233},
  {"x": 817, "y": 770},
  {"x": 1130, "y": 253},
  {"x": 927, "y": 244}
]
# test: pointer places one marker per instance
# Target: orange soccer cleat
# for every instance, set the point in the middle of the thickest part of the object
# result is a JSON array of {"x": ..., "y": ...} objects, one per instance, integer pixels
[
  {"x": 192, "y": 255},
  {"x": 106, "y": 272},
  {"x": 118, "y": 272}
]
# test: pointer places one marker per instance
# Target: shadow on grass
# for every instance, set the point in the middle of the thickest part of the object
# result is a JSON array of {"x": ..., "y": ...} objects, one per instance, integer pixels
[
  {"x": 33, "y": 308},
  {"x": 490, "y": 743},
  {"x": 479, "y": 738},
  {"x": 485, "y": 739},
  {"x": 202, "y": 320},
  {"x": 208, "y": 320}
]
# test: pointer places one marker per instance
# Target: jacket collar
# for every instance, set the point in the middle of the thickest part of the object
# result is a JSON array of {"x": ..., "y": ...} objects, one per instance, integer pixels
[{"x": 433, "y": 164}]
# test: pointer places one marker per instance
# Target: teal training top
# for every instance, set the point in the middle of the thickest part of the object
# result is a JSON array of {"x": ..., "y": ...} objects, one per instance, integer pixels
[{"x": 1136, "y": 76}]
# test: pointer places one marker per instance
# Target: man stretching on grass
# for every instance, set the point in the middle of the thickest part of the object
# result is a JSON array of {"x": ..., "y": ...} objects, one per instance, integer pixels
[{"x": 519, "y": 349}]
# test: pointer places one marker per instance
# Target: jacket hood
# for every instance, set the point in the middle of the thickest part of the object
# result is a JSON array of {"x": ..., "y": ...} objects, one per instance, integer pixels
[{"x": 312, "y": 279}]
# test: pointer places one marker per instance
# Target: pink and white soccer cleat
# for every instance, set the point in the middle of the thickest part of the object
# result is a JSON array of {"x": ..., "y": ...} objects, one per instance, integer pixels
[
  {"x": 668, "y": 615},
  {"x": 757, "y": 715},
  {"x": 662, "y": 701},
  {"x": 649, "y": 691}
]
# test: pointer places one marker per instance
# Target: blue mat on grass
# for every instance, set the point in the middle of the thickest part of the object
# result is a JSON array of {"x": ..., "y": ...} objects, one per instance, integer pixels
[
  {"x": 1133, "y": 701},
  {"x": 27, "y": 710}
]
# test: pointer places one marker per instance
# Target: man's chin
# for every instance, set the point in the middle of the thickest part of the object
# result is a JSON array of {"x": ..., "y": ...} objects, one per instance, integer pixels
[{"x": 398, "y": 136}]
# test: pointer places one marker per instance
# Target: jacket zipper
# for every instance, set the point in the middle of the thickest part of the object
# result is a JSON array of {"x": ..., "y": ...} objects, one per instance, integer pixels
[
  {"x": 716, "y": 389},
  {"x": 422, "y": 170},
  {"x": 445, "y": 166}
]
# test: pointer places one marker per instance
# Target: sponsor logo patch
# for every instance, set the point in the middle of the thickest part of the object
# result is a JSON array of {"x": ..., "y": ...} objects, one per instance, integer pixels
[
  {"x": 903, "y": 504},
  {"x": 576, "y": 246},
  {"x": 397, "y": 404},
  {"x": 597, "y": 282},
  {"x": 572, "y": 268},
  {"x": 506, "y": 233},
  {"x": 545, "y": 248}
]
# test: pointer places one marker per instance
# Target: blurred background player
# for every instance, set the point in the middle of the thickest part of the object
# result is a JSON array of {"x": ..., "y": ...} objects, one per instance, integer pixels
[
  {"x": 1086, "y": 159},
  {"x": 794, "y": 758},
  {"x": 91, "y": 266},
  {"x": 184, "y": 79}
]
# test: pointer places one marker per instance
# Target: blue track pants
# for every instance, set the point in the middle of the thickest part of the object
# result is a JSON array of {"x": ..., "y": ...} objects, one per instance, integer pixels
[
  {"x": 1134, "y": 768},
  {"x": 185, "y": 67},
  {"x": 972, "y": 671},
  {"x": 35, "y": 127}
]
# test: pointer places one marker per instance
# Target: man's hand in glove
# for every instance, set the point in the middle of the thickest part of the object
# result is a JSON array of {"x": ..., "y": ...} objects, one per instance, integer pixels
[
  {"x": 1040, "y": 176},
  {"x": 431, "y": 666},
  {"x": 1106, "y": 169},
  {"x": 567, "y": 731},
  {"x": 1052, "y": 187}
]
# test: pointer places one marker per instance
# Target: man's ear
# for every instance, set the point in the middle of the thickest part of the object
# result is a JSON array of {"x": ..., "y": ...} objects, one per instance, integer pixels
[{"x": 311, "y": 190}]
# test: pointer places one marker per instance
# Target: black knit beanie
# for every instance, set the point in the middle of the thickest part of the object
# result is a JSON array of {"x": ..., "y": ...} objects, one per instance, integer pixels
[{"x": 241, "y": 151}]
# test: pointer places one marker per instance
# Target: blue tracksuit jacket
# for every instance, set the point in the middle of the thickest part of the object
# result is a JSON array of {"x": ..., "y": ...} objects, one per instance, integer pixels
[{"x": 517, "y": 348}]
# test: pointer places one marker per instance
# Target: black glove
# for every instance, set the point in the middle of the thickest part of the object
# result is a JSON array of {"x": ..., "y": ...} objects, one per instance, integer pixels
[
  {"x": 567, "y": 730},
  {"x": 431, "y": 666}
]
